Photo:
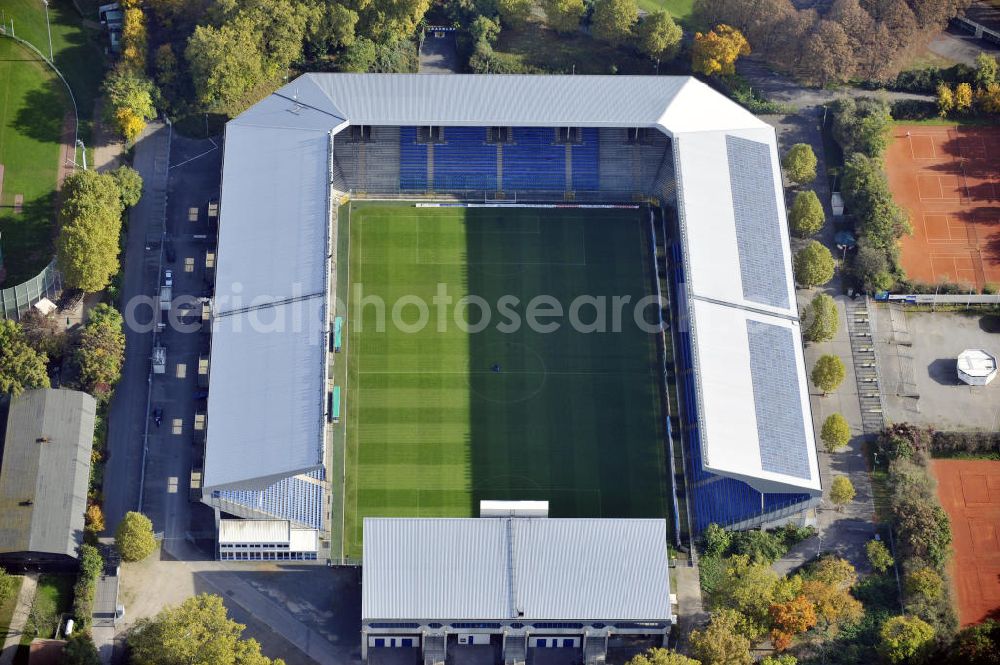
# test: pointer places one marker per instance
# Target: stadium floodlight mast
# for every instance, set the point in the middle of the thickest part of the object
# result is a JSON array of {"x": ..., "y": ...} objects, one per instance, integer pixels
[{"x": 48, "y": 29}]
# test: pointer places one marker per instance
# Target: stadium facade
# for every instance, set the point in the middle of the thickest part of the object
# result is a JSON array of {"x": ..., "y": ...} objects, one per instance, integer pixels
[
  {"x": 290, "y": 160},
  {"x": 512, "y": 584}
]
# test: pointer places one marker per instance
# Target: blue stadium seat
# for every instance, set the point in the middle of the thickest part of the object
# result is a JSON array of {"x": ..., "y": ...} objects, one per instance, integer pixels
[
  {"x": 292, "y": 499},
  {"x": 412, "y": 160},
  {"x": 534, "y": 161},
  {"x": 465, "y": 160},
  {"x": 585, "y": 162}
]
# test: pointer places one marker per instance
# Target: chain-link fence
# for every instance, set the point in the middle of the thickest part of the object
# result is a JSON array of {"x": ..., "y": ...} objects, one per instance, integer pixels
[{"x": 15, "y": 301}]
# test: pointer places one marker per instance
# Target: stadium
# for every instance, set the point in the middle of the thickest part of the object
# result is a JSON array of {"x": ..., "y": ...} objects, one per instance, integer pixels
[{"x": 343, "y": 191}]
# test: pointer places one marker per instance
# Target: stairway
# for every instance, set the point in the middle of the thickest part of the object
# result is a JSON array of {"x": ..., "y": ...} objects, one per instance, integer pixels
[
  {"x": 500, "y": 169},
  {"x": 435, "y": 649},
  {"x": 430, "y": 167},
  {"x": 515, "y": 650},
  {"x": 595, "y": 649},
  {"x": 865, "y": 366}
]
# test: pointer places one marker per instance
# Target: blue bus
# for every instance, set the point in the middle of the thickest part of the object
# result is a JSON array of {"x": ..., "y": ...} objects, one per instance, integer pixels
[{"x": 338, "y": 333}]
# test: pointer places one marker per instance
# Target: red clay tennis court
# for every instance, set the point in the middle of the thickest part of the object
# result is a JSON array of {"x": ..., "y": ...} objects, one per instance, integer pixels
[
  {"x": 948, "y": 180},
  {"x": 969, "y": 490}
]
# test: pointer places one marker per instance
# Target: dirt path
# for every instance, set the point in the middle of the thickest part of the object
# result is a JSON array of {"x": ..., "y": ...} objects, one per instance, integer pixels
[{"x": 107, "y": 147}]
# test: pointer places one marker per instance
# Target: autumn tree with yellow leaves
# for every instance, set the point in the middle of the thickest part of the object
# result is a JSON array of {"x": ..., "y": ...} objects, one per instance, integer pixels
[{"x": 716, "y": 51}]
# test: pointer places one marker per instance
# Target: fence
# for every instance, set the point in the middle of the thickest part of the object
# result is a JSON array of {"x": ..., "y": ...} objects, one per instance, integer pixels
[
  {"x": 943, "y": 299},
  {"x": 18, "y": 299}
]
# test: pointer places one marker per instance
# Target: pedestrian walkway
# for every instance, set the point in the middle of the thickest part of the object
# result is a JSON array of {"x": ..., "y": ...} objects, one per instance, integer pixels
[
  {"x": 691, "y": 612},
  {"x": 25, "y": 599}
]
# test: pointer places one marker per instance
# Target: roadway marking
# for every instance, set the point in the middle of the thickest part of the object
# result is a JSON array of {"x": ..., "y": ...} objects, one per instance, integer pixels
[
  {"x": 178, "y": 426},
  {"x": 189, "y": 264},
  {"x": 181, "y": 370},
  {"x": 172, "y": 485}
]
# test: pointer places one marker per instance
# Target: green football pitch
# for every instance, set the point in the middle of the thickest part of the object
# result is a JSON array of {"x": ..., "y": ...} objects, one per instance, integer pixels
[{"x": 440, "y": 416}]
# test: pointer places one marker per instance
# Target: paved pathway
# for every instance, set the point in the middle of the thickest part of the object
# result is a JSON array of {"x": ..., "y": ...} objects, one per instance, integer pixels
[
  {"x": 691, "y": 613},
  {"x": 844, "y": 533},
  {"x": 107, "y": 147},
  {"x": 25, "y": 598}
]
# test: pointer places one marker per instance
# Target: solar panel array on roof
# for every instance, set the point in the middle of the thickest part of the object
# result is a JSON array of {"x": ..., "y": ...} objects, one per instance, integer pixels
[
  {"x": 777, "y": 400},
  {"x": 295, "y": 499},
  {"x": 758, "y": 226}
]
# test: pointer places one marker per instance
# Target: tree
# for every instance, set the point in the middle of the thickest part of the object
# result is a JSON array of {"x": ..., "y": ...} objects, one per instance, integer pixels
[
  {"x": 841, "y": 491},
  {"x": 821, "y": 318},
  {"x": 828, "y": 587},
  {"x": 828, "y": 373},
  {"x": 130, "y": 102},
  {"x": 80, "y": 650},
  {"x": 87, "y": 249},
  {"x": 986, "y": 70},
  {"x": 94, "y": 519},
  {"x": 196, "y": 631},
  {"x": 721, "y": 643},
  {"x": 656, "y": 656},
  {"x": 800, "y": 164},
  {"x": 749, "y": 589},
  {"x": 945, "y": 99},
  {"x": 879, "y": 556},
  {"x": 563, "y": 15},
  {"x": 514, "y": 13},
  {"x": 813, "y": 265},
  {"x": 925, "y": 582},
  {"x": 134, "y": 537},
  {"x": 790, "y": 619},
  {"x": 806, "y": 216},
  {"x": 717, "y": 51},
  {"x": 21, "y": 367},
  {"x": 826, "y": 54},
  {"x": 904, "y": 637},
  {"x": 613, "y": 20},
  {"x": 863, "y": 125},
  {"x": 332, "y": 26},
  {"x": 484, "y": 29},
  {"x": 129, "y": 185},
  {"x": 977, "y": 645},
  {"x": 871, "y": 268},
  {"x": 963, "y": 97},
  {"x": 43, "y": 333},
  {"x": 659, "y": 36},
  {"x": 989, "y": 98},
  {"x": 923, "y": 527},
  {"x": 717, "y": 540},
  {"x": 781, "y": 659},
  {"x": 7, "y": 585},
  {"x": 835, "y": 433},
  {"x": 100, "y": 350},
  {"x": 240, "y": 62}
]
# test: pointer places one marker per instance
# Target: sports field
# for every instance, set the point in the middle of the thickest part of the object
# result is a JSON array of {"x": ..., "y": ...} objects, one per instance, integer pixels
[
  {"x": 444, "y": 416},
  {"x": 946, "y": 177},
  {"x": 969, "y": 491},
  {"x": 33, "y": 105}
]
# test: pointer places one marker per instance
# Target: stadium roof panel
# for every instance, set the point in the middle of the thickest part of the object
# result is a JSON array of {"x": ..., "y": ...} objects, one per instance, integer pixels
[
  {"x": 673, "y": 103},
  {"x": 753, "y": 401},
  {"x": 266, "y": 402},
  {"x": 273, "y": 216},
  {"x": 515, "y": 568},
  {"x": 733, "y": 226}
]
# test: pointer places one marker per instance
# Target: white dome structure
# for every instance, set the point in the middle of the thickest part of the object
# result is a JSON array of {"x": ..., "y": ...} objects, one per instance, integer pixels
[{"x": 977, "y": 367}]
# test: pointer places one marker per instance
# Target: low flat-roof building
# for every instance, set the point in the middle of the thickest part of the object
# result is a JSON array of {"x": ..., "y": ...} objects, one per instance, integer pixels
[
  {"x": 47, "y": 437},
  {"x": 513, "y": 584}
]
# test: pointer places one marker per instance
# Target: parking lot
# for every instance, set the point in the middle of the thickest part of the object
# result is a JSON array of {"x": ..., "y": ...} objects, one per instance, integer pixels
[{"x": 917, "y": 354}]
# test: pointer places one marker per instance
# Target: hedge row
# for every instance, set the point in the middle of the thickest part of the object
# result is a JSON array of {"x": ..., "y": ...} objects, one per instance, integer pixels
[{"x": 91, "y": 565}]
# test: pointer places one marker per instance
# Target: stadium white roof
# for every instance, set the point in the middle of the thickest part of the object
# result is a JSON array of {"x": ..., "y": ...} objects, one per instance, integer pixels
[
  {"x": 265, "y": 405},
  {"x": 515, "y": 568},
  {"x": 672, "y": 103},
  {"x": 238, "y": 532},
  {"x": 753, "y": 400},
  {"x": 266, "y": 396}
]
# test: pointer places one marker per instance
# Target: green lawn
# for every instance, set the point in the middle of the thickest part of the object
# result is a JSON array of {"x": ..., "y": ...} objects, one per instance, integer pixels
[
  {"x": 78, "y": 50},
  {"x": 571, "y": 417},
  {"x": 53, "y": 597},
  {"x": 32, "y": 104},
  {"x": 680, "y": 9},
  {"x": 7, "y": 607}
]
